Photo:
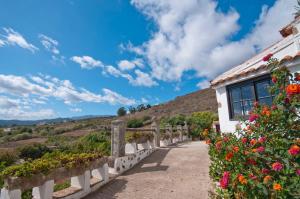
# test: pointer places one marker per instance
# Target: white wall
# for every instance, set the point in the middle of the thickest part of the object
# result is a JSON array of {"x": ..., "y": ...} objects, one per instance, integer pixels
[{"x": 226, "y": 124}]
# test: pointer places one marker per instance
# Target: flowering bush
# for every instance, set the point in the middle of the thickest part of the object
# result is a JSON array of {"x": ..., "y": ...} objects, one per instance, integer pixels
[{"x": 262, "y": 160}]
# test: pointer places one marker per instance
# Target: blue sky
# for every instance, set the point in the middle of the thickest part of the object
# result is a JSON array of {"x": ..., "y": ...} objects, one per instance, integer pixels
[{"x": 61, "y": 58}]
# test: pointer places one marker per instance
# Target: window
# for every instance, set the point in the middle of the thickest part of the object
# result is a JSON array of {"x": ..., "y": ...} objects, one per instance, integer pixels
[{"x": 242, "y": 95}]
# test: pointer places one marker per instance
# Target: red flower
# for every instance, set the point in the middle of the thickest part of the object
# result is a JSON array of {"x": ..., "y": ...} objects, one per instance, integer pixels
[
  {"x": 274, "y": 107},
  {"x": 265, "y": 171},
  {"x": 274, "y": 79},
  {"x": 236, "y": 149},
  {"x": 253, "y": 117},
  {"x": 260, "y": 149},
  {"x": 228, "y": 156},
  {"x": 298, "y": 172},
  {"x": 251, "y": 161},
  {"x": 224, "y": 181},
  {"x": 262, "y": 139},
  {"x": 277, "y": 166},
  {"x": 294, "y": 150},
  {"x": 244, "y": 140},
  {"x": 219, "y": 145},
  {"x": 297, "y": 76},
  {"x": 256, "y": 104},
  {"x": 226, "y": 139},
  {"x": 268, "y": 57},
  {"x": 252, "y": 176}
]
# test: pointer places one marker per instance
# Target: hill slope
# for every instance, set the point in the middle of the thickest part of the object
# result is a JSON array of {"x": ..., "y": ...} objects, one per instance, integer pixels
[{"x": 202, "y": 100}]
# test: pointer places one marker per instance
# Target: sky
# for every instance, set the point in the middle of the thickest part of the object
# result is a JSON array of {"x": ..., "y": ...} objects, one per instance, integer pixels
[{"x": 64, "y": 58}]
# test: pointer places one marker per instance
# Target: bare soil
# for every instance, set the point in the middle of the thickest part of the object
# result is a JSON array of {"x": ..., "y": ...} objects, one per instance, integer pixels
[{"x": 176, "y": 172}]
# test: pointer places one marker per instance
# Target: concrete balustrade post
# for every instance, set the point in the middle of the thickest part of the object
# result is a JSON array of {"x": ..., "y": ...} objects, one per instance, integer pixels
[
  {"x": 44, "y": 191},
  {"x": 186, "y": 129},
  {"x": 11, "y": 194},
  {"x": 101, "y": 173},
  {"x": 82, "y": 181},
  {"x": 179, "y": 130},
  {"x": 169, "y": 131},
  {"x": 156, "y": 129},
  {"x": 118, "y": 138}
]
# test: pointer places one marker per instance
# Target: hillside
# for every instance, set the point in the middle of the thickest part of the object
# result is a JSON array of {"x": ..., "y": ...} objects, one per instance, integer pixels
[{"x": 202, "y": 100}]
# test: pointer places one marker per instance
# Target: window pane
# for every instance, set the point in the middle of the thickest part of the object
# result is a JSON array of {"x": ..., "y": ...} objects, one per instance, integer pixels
[
  {"x": 248, "y": 105},
  {"x": 237, "y": 109},
  {"x": 262, "y": 89},
  {"x": 266, "y": 101},
  {"x": 236, "y": 94},
  {"x": 247, "y": 92}
]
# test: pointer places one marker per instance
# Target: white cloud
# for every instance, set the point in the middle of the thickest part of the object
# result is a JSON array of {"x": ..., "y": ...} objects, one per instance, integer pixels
[
  {"x": 203, "y": 84},
  {"x": 75, "y": 110},
  {"x": 46, "y": 86},
  {"x": 16, "y": 109},
  {"x": 14, "y": 38},
  {"x": 49, "y": 44},
  {"x": 87, "y": 62},
  {"x": 143, "y": 79},
  {"x": 195, "y": 36},
  {"x": 2, "y": 43},
  {"x": 129, "y": 65}
]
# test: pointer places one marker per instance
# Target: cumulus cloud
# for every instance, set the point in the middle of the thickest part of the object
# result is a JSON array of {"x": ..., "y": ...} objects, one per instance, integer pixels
[
  {"x": 14, "y": 38},
  {"x": 129, "y": 65},
  {"x": 87, "y": 62},
  {"x": 196, "y": 36},
  {"x": 141, "y": 79},
  {"x": 17, "y": 109},
  {"x": 46, "y": 86}
]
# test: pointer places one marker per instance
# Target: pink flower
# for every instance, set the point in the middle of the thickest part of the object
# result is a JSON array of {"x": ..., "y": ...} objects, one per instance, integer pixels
[
  {"x": 260, "y": 149},
  {"x": 268, "y": 57},
  {"x": 253, "y": 117},
  {"x": 298, "y": 172},
  {"x": 277, "y": 166},
  {"x": 224, "y": 181},
  {"x": 294, "y": 150},
  {"x": 244, "y": 140},
  {"x": 265, "y": 171},
  {"x": 262, "y": 139}
]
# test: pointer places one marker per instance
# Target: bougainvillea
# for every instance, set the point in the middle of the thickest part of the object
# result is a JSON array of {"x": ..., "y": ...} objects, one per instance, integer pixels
[{"x": 262, "y": 158}]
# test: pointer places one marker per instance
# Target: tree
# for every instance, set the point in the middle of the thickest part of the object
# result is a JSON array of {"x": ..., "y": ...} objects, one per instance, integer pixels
[
  {"x": 132, "y": 109},
  {"x": 122, "y": 111}
]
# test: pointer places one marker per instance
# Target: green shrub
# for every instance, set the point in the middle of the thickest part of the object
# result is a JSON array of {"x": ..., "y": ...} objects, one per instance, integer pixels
[
  {"x": 94, "y": 142},
  {"x": 200, "y": 121},
  {"x": 135, "y": 123},
  {"x": 22, "y": 136},
  {"x": 33, "y": 151},
  {"x": 61, "y": 186}
]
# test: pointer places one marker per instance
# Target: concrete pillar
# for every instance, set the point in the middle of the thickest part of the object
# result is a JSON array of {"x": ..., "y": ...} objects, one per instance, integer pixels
[
  {"x": 11, "y": 194},
  {"x": 179, "y": 130},
  {"x": 169, "y": 131},
  {"x": 186, "y": 129},
  {"x": 44, "y": 191},
  {"x": 156, "y": 129},
  {"x": 118, "y": 138},
  {"x": 101, "y": 173},
  {"x": 82, "y": 181}
]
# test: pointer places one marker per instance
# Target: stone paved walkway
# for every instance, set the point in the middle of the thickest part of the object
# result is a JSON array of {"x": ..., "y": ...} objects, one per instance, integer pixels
[{"x": 176, "y": 172}]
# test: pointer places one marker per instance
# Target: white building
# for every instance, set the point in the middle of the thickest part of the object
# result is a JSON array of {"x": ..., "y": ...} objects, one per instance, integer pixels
[{"x": 239, "y": 87}]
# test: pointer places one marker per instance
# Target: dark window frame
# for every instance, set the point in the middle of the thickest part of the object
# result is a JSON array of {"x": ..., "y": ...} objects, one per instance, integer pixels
[{"x": 253, "y": 82}]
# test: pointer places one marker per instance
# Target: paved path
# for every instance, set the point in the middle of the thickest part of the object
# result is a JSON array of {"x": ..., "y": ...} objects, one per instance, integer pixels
[{"x": 176, "y": 172}]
